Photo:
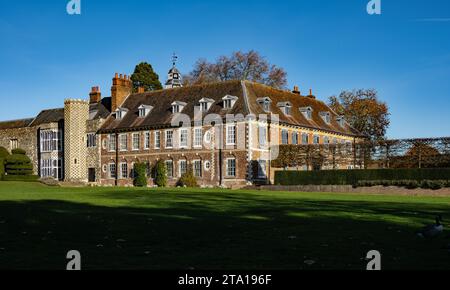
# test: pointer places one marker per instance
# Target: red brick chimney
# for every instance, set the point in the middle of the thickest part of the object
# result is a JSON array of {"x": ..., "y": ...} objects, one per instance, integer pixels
[
  {"x": 141, "y": 90},
  {"x": 296, "y": 90},
  {"x": 311, "y": 94},
  {"x": 95, "y": 96},
  {"x": 120, "y": 90}
]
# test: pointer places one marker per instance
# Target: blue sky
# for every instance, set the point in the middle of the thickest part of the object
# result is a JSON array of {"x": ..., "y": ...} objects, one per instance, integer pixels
[{"x": 47, "y": 55}]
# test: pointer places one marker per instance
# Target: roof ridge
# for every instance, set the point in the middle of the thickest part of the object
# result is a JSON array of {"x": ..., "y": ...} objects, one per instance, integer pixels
[{"x": 245, "y": 95}]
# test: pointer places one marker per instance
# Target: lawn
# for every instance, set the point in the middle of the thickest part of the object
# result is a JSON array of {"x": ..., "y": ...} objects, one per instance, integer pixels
[{"x": 129, "y": 228}]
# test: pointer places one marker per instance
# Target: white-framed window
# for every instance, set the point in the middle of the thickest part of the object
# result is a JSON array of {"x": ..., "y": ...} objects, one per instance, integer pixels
[
  {"x": 227, "y": 104},
  {"x": 120, "y": 113},
  {"x": 51, "y": 140},
  {"x": 207, "y": 165},
  {"x": 229, "y": 101},
  {"x": 197, "y": 168},
  {"x": 169, "y": 139},
  {"x": 287, "y": 110},
  {"x": 91, "y": 140},
  {"x": 136, "y": 140},
  {"x": 111, "y": 142},
  {"x": 208, "y": 137},
  {"x": 231, "y": 134},
  {"x": 326, "y": 140},
  {"x": 183, "y": 138},
  {"x": 157, "y": 139},
  {"x": 262, "y": 168},
  {"x": 169, "y": 168},
  {"x": 307, "y": 112},
  {"x": 13, "y": 144},
  {"x": 123, "y": 170},
  {"x": 143, "y": 110},
  {"x": 265, "y": 103},
  {"x": 262, "y": 136},
  {"x": 147, "y": 140},
  {"x": 316, "y": 139},
  {"x": 341, "y": 121},
  {"x": 231, "y": 167},
  {"x": 123, "y": 142},
  {"x": 327, "y": 117},
  {"x": 305, "y": 139},
  {"x": 51, "y": 168},
  {"x": 198, "y": 133},
  {"x": 205, "y": 104},
  {"x": 177, "y": 107},
  {"x": 112, "y": 170},
  {"x": 295, "y": 138},
  {"x": 284, "y": 137},
  {"x": 182, "y": 166}
]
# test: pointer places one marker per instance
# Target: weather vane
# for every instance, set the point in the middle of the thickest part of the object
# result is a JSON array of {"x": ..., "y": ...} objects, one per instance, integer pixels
[{"x": 174, "y": 58}]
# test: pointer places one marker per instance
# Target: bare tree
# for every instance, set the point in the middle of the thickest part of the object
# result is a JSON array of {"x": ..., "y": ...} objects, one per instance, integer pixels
[{"x": 239, "y": 66}]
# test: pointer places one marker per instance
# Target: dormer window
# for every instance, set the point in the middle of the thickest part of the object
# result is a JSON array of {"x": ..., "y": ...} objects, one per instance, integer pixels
[
  {"x": 307, "y": 112},
  {"x": 120, "y": 113},
  {"x": 285, "y": 107},
  {"x": 177, "y": 107},
  {"x": 265, "y": 103},
  {"x": 143, "y": 110},
  {"x": 341, "y": 121},
  {"x": 229, "y": 101},
  {"x": 205, "y": 104},
  {"x": 326, "y": 116}
]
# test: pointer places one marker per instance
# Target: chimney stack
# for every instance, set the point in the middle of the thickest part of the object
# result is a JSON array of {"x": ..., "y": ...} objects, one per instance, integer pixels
[
  {"x": 296, "y": 90},
  {"x": 311, "y": 94},
  {"x": 95, "y": 96},
  {"x": 141, "y": 90},
  {"x": 122, "y": 87}
]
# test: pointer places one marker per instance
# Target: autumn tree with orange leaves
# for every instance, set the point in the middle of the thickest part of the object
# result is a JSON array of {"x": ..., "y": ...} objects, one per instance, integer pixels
[{"x": 363, "y": 111}]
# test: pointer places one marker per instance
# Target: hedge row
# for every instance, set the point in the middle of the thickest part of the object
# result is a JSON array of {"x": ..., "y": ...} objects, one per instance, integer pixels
[
  {"x": 352, "y": 177},
  {"x": 30, "y": 178},
  {"x": 410, "y": 184}
]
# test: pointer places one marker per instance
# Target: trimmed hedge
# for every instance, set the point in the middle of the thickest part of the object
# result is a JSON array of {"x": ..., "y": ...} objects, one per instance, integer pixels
[
  {"x": 2, "y": 168},
  {"x": 28, "y": 178},
  {"x": 352, "y": 177},
  {"x": 410, "y": 184},
  {"x": 18, "y": 163},
  {"x": 160, "y": 174},
  {"x": 140, "y": 175}
]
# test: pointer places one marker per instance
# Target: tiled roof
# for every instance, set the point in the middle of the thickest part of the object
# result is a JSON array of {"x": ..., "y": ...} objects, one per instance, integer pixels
[
  {"x": 14, "y": 124},
  {"x": 48, "y": 116},
  {"x": 247, "y": 92},
  {"x": 161, "y": 101}
]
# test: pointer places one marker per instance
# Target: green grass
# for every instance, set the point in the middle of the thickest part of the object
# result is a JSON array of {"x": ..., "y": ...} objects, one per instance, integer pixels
[{"x": 129, "y": 228}]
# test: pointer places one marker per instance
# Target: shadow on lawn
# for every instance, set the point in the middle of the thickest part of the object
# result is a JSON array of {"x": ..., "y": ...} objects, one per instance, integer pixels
[{"x": 218, "y": 231}]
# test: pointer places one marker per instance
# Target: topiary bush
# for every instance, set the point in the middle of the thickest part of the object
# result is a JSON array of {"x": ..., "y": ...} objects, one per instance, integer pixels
[
  {"x": 140, "y": 175},
  {"x": 188, "y": 179},
  {"x": 160, "y": 174},
  {"x": 3, "y": 153},
  {"x": 18, "y": 163},
  {"x": 18, "y": 151}
]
